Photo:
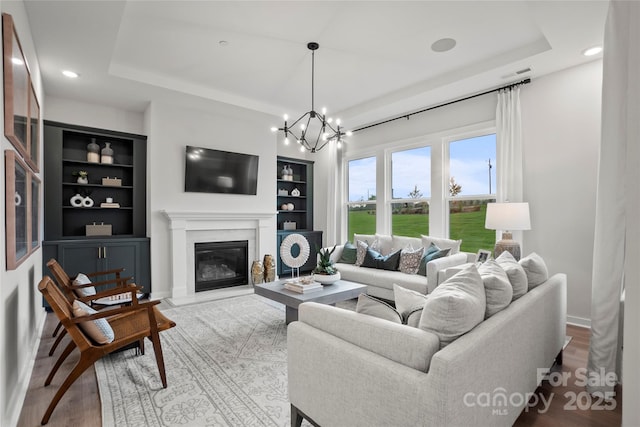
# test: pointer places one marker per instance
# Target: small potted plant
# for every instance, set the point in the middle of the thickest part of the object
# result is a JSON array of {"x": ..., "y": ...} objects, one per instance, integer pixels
[
  {"x": 83, "y": 177},
  {"x": 325, "y": 272}
]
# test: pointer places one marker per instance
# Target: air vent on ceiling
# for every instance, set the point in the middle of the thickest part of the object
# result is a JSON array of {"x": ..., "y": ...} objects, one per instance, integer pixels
[{"x": 523, "y": 71}]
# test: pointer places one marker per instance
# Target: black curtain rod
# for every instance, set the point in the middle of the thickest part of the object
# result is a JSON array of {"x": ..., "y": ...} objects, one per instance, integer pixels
[{"x": 406, "y": 116}]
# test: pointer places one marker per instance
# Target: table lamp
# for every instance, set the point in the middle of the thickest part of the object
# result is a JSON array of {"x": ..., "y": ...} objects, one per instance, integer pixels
[{"x": 507, "y": 217}]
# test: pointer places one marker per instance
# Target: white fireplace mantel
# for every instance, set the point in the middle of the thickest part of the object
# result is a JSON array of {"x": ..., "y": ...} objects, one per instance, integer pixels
[{"x": 182, "y": 223}]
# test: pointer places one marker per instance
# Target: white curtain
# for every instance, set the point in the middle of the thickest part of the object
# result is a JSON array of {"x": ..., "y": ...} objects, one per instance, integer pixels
[
  {"x": 334, "y": 195},
  {"x": 509, "y": 149},
  {"x": 615, "y": 255}
]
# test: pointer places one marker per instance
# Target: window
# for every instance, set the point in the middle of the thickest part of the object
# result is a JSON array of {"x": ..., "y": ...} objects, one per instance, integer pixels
[
  {"x": 410, "y": 191},
  {"x": 362, "y": 196},
  {"x": 472, "y": 184}
]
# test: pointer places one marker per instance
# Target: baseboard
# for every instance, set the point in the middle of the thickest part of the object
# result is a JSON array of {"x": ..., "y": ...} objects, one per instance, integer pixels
[
  {"x": 579, "y": 321},
  {"x": 17, "y": 400}
]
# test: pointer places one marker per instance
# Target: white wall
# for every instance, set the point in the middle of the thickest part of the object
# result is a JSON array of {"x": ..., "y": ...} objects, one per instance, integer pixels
[
  {"x": 561, "y": 134},
  {"x": 170, "y": 128},
  {"x": 561, "y": 131},
  {"x": 94, "y": 115},
  {"x": 21, "y": 313}
]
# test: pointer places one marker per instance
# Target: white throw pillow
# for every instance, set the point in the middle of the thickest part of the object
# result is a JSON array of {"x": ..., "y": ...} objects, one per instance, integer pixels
[
  {"x": 455, "y": 307},
  {"x": 407, "y": 301},
  {"x": 497, "y": 287},
  {"x": 535, "y": 269},
  {"x": 515, "y": 272},
  {"x": 377, "y": 308},
  {"x": 99, "y": 330},
  {"x": 454, "y": 245},
  {"x": 82, "y": 279}
]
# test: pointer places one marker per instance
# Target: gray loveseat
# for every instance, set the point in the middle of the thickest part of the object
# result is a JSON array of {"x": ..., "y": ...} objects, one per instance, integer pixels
[
  {"x": 380, "y": 282},
  {"x": 350, "y": 369}
]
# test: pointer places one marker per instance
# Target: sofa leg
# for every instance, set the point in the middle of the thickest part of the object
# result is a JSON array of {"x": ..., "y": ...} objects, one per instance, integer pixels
[
  {"x": 296, "y": 417},
  {"x": 559, "y": 358}
]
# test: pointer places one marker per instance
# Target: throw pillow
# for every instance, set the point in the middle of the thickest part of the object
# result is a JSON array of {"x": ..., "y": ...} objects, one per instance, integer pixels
[
  {"x": 455, "y": 307},
  {"x": 535, "y": 269},
  {"x": 431, "y": 253},
  {"x": 82, "y": 279},
  {"x": 349, "y": 254},
  {"x": 515, "y": 272},
  {"x": 410, "y": 260},
  {"x": 99, "y": 330},
  {"x": 361, "y": 251},
  {"x": 454, "y": 245},
  {"x": 407, "y": 301},
  {"x": 373, "y": 259},
  {"x": 413, "y": 318},
  {"x": 497, "y": 287},
  {"x": 377, "y": 308}
]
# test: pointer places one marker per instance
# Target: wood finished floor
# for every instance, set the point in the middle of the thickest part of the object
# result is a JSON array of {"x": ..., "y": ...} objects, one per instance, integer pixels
[{"x": 80, "y": 407}]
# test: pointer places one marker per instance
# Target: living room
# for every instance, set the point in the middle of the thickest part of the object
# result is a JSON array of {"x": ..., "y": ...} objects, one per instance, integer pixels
[{"x": 561, "y": 133}]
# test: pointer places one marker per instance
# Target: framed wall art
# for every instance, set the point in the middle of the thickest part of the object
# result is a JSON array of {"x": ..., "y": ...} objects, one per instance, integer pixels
[
  {"x": 22, "y": 210},
  {"x": 21, "y": 108}
]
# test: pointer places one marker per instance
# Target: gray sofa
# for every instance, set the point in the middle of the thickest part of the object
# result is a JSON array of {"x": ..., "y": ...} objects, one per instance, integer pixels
[
  {"x": 350, "y": 369},
  {"x": 380, "y": 282}
]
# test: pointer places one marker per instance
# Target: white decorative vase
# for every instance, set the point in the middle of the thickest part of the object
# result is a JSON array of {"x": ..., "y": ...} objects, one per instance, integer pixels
[
  {"x": 82, "y": 180},
  {"x": 326, "y": 279}
]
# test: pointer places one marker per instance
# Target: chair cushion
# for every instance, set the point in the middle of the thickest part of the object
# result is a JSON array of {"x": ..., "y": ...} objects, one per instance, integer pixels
[
  {"x": 497, "y": 287},
  {"x": 410, "y": 260},
  {"x": 349, "y": 253},
  {"x": 535, "y": 269},
  {"x": 455, "y": 307},
  {"x": 82, "y": 279},
  {"x": 442, "y": 243},
  {"x": 99, "y": 330},
  {"x": 407, "y": 301},
  {"x": 515, "y": 272},
  {"x": 372, "y": 306}
]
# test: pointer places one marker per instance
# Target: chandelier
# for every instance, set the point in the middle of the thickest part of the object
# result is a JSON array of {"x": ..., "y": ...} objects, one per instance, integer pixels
[{"x": 327, "y": 132}]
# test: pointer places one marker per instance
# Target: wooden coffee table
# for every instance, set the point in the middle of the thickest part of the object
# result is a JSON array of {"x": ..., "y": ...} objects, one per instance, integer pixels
[{"x": 341, "y": 290}]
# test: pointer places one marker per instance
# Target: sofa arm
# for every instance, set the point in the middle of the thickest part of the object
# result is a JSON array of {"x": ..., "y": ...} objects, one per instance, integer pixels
[
  {"x": 440, "y": 264},
  {"x": 403, "y": 344}
]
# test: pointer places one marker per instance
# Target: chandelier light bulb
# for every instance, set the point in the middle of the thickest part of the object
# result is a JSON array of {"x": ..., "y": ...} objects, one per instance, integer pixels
[
  {"x": 286, "y": 117},
  {"x": 349, "y": 133},
  {"x": 286, "y": 141},
  {"x": 330, "y": 119},
  {"x": 302, "y": 148},
  {"x": 339, "y": 144},
  {"x": 274, "y": 129},
  {"x": 338, "y": 122},
  {"x": 302, "y": 126},
  {"x": 324, "y": 111}
]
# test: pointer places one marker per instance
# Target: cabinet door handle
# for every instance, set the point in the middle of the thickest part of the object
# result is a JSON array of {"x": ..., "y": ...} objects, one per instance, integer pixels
[
  {"x": 104, "y": 252},
  {"x": 99, "y": 252}
]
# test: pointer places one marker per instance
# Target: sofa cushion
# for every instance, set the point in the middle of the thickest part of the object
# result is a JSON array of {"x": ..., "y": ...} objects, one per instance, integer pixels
[
  {"x": 407, "y": 301},
  {"x": 403, "y": 242},
  {"x": 455, "y": 307},
  {"x": 349, "y": 253},
  {"x": 497, "y": 287},
  {"x": 515, "y": 272},
  {"x": 431, "y": 253},
  {"x": 378, "y": 242},
  {"x": 442, "y": 243},
  {"x": 82, "y": 279},
  {"x": 372, "y": 306},
  {"x": 535, "y": 269},
  {"x": 373, "y": 259},
  {"x": 410, "y": 260},
  {"x": 99, "y": 330}
]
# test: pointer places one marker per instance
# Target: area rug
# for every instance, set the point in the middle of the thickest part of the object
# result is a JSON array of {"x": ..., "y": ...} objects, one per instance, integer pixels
[{"x": 226, "y": 366}]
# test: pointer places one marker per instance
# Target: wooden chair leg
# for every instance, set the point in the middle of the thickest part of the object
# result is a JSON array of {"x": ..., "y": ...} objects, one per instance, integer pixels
[
  {"x": 157, "y": 349},
  {"x": 296, "y": 417},
  {"x": 85, "y": 362},
  {"x": 141, "y": 346},
  {"x": 67, "y": 351},
  {"x": 55, "y": 331},
  {"x": 57, "y": 342}
]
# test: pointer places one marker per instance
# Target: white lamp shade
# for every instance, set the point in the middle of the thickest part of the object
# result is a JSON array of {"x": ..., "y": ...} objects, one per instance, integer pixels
[{"x": 508, "y": 216}]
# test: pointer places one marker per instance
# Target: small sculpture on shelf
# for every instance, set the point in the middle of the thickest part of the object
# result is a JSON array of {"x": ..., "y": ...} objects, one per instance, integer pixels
[
  {"x": 82, "y": 177},
  {"x": 295, "y": 192},
  {"x": 287, "y": 173},
  {"x": 107, "y": 154}
]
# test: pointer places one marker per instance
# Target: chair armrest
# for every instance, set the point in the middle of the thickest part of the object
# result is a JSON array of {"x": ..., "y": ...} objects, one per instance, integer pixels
[
  {"x": 133, "y": 289},
  {"x": 440, "y": 264},
  {"x": 403, "y": 344},
  {"x": 147, "y": 305},
  {"x": 120, "y": 282}
]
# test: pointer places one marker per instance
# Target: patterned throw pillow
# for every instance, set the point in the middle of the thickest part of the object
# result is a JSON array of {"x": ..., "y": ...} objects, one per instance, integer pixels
[
  {"x": 99, "y": 330},
  {"x": 349, "y": 254},
  {"x": 361, "y": 251},
  {"x": 82, "y": 279},
  {"x": 410, "y": 260}
]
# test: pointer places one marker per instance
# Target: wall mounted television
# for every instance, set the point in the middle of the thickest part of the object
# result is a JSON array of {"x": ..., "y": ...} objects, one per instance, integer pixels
[{"x": 215, "y": 171}]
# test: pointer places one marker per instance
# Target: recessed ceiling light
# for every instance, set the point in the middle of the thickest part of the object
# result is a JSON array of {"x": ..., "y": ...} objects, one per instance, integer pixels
[
  {"x": 223, "y": 43},
  {"x": 592, "y": 51},
  {"x": 70, "y": 74},
  {"x": 443, "y": 45}
]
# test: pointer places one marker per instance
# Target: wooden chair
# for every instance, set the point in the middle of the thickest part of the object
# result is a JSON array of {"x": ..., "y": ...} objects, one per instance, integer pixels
[
  {"x": 129, "y": 323},
  {"x": 68, "y": 288}
]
